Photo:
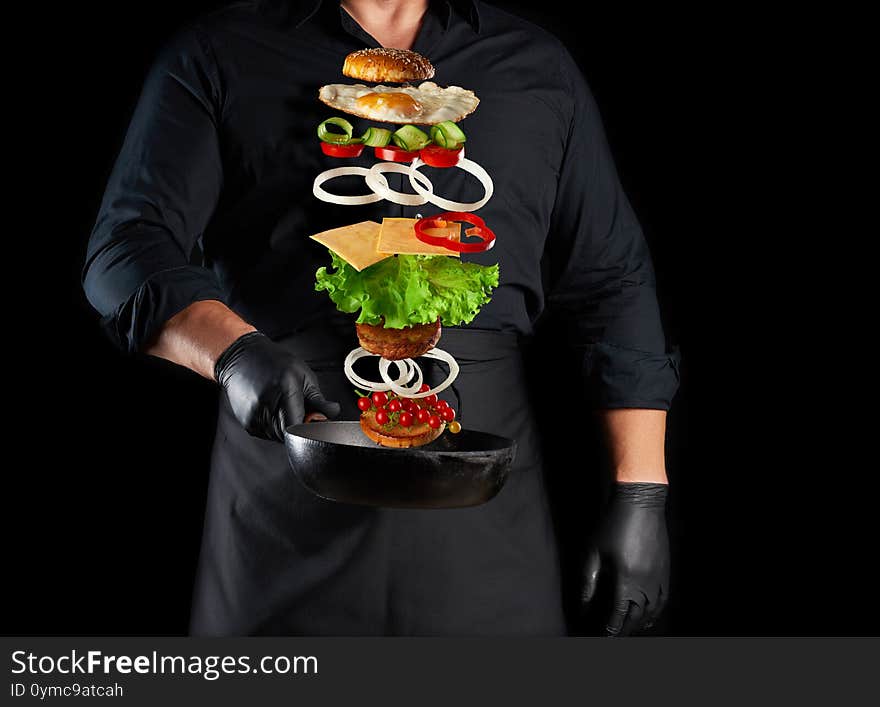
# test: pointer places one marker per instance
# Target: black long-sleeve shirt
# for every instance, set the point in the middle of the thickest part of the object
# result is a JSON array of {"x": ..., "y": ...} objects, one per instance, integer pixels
[{"x": 221, "y": 153}]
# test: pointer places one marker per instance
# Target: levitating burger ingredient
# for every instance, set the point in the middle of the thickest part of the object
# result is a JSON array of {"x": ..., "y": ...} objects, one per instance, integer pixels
[
  {"x": 404, "y": 290},
  {"x": 411, "y": 138},
  {"x": 392, "y": 153},
  {"x": 398, "y": 235},
  {"x": 409, "y": 375},
  {"x": 376, "y": 137},
  {"x": 325, "y": 134},
  {"x": 396, "y": 344},
  {"x": 442, "y": 148},
  {"x": 372, "y": 137},
  {"x": 334, "y": 150},
  {"x": 426, "y": 104},
  {"x": 401, "y": 436},
  {"x": 387, "y": 64},
  {"x": 355, "y": 243},
  {"x": 441, "y": 157},
  {"x": 395, "y": 421},
  {"x": 426, "y": 230},
  {"x": 448, "y": 134}
]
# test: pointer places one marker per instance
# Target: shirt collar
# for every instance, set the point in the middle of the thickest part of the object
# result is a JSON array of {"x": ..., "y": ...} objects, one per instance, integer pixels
[{"x": 298, "y": 12}]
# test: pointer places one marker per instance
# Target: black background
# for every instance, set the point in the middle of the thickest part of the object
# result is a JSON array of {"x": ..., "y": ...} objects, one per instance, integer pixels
[{"x": 105, "y": 485}]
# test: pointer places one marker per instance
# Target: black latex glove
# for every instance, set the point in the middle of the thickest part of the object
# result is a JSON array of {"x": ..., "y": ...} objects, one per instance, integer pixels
[
  {"x": 632, "y": 546},
  {"x": 268, "y": 387}
]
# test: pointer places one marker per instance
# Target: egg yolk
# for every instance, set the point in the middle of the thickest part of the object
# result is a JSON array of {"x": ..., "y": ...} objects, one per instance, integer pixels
[{"x": 400, "y": 103}]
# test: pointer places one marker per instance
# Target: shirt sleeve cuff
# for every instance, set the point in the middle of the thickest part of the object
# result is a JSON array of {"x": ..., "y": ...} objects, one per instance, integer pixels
[
  {"x": 618, "y": 377},
  {"x": 137, "y": 321}
]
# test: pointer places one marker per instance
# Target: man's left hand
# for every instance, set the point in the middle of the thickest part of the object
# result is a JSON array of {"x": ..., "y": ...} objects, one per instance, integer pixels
[{"x": 632, "y": 546}]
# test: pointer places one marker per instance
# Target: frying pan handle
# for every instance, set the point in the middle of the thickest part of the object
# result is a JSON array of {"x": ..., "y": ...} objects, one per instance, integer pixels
[{"x": 313, "y": 416}]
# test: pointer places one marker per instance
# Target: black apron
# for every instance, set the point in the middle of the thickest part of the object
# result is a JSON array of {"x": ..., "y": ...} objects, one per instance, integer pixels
[{"x": 276, "y": 559}]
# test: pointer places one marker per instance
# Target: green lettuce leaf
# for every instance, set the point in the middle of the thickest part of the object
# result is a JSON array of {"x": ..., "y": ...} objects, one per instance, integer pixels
[{"x": 409, "y": 289}]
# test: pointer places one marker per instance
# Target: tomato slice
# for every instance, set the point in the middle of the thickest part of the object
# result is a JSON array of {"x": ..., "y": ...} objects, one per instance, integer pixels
[
  {"x": 480, "y": 230},
  {"x": 436, "y": 156},
  {"x": 392, "y": 153},
  {"x": 342, "y": 150}
]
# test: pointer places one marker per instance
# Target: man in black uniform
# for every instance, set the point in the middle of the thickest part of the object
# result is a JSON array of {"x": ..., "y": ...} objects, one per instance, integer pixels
[{"x": 221, "y": 152}]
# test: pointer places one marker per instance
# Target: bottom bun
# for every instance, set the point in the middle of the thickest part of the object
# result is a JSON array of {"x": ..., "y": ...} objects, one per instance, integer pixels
[{"x": 409, "y": 440}]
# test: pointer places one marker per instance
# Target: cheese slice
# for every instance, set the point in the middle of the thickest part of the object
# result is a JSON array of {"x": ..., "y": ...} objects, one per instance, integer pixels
[
  {"x": 356, "y": 244},
  {"x": 398, "y": 236}
]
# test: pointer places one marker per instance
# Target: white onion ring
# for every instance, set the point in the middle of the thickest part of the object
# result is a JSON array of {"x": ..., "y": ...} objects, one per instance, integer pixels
[
  {"x": 319, "y": 192},
  {"x": 385, "y": 192},
  {"x": 406, "y": 391},
  {"x": 468, "y": 166},
  {"x": 407, "y": 368},
  {"x": 353, "y": 356},
  {"x": 447, "y": 358}
]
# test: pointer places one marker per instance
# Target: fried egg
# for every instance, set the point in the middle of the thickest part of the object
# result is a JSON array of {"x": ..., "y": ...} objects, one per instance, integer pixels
[{"x": 426, "y": 104}]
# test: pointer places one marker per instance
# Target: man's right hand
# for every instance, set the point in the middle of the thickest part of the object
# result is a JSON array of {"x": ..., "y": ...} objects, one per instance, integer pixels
[{"x": 268, "y": 387}]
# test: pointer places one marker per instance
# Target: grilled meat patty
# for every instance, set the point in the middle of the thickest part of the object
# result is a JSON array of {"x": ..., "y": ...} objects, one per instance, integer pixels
[{"x": 396, "y": 344}]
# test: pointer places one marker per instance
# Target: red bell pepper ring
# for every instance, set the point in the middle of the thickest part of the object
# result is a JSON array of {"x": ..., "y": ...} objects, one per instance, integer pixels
[{"x": 480, "y": 230}]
